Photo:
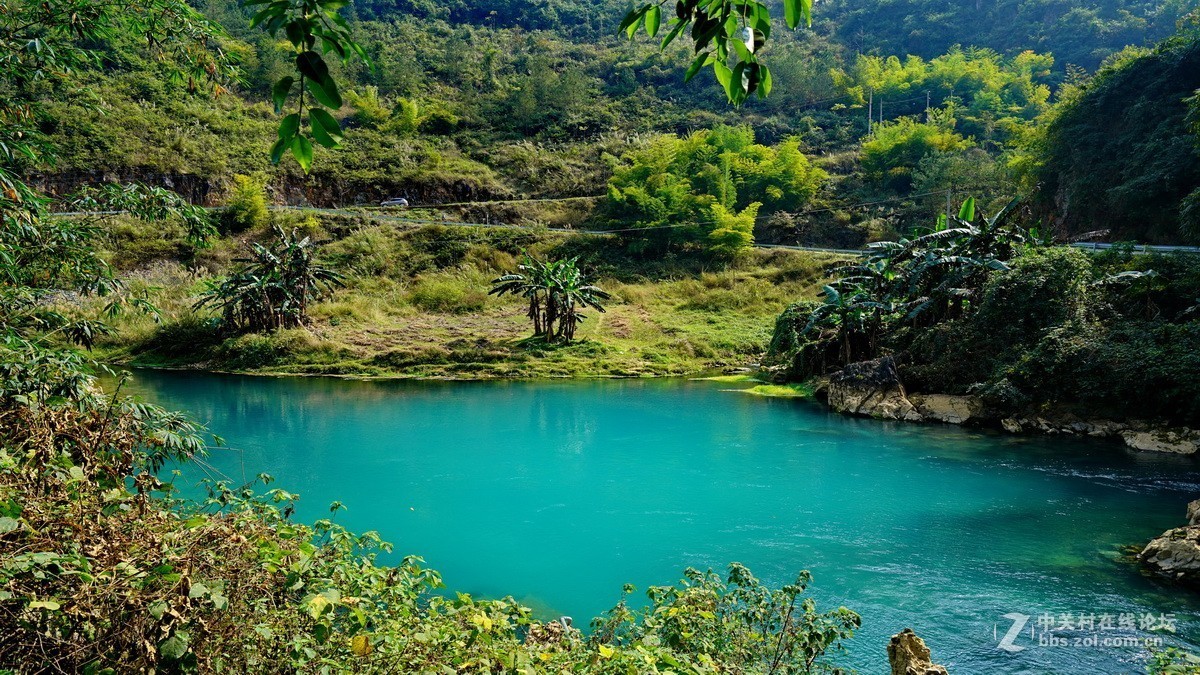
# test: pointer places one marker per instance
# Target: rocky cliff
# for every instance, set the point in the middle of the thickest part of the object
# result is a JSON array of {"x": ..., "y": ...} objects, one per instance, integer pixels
[{"x": 908, "y": 655}]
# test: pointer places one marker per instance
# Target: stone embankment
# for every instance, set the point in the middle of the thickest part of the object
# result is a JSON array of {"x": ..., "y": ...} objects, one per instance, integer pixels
[{"x": 874, "y": 389}]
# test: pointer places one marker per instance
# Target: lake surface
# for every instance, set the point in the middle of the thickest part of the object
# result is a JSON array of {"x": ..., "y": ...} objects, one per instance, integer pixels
[{"x": 558, "y": 493}]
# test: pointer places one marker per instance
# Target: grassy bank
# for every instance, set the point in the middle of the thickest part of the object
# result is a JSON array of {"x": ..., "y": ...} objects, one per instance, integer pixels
[{"x": 415, "y": 304}]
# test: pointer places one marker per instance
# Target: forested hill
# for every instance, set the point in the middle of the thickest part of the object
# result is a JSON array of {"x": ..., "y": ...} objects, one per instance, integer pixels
[
  {"x": 1121, "y": 151},
  {"x": 510, "y": 99},
  {"x": 1077, "y": 33}
]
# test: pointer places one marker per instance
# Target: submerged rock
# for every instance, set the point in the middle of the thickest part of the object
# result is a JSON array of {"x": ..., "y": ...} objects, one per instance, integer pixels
[
  {"x": 1176, "y": 553},
  {"x": 908, "y": 655}
]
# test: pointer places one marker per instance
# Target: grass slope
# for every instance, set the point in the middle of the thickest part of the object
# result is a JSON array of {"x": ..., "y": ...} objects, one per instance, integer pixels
[{"x": 416, "y": 305}]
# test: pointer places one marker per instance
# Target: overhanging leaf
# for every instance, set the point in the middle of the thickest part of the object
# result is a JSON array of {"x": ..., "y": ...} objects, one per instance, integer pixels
[
  {"x": 280, "y": 91},
  {"x": 653, "y": 19},
  {"x": 302, "y": 150},
  {"x": 325, "y": 128}
]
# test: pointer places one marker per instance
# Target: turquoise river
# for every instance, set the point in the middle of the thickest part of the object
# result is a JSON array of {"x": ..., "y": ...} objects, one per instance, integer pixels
[{"x": 558, "y": 493}]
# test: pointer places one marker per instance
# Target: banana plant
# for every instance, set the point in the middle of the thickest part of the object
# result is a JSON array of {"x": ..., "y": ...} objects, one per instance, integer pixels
[
  {"x": 273, "y": 287},
  {"x": 556, "y": 292}
]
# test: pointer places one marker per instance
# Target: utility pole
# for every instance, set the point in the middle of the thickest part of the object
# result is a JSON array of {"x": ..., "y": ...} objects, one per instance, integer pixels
[
  {"x": 948, "y": 207},
  {"x": 928, "y": 113},
  {"x": 881, "y": 110},
  {"x": 870, "y": 109}
]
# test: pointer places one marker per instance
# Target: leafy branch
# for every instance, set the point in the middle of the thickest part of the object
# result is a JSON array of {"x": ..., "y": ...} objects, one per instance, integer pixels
[
  {"x": 727, "y": 36},
  {"x": 305, "y": 23}
]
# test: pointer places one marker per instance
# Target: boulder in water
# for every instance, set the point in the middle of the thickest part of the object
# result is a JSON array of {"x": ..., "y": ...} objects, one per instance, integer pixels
[
  {"x": 908, "y": 655},
  {"x": 1175, "y": 554}
]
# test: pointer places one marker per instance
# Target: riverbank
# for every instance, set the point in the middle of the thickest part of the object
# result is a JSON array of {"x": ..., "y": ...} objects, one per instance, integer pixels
[
  {"x": 875, "y": 389},
  {"x": 414, "y": 304}
]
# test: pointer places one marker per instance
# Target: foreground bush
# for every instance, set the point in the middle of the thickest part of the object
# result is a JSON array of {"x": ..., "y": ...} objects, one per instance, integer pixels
[{"x": 102, "y": 570}]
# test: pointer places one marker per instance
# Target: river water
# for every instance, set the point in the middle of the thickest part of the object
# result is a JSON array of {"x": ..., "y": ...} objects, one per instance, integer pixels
[{"x": 558, "y": 493}]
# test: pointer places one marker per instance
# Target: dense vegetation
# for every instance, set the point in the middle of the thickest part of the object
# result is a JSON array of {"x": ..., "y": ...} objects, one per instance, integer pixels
[
  {"x": 545, "y": 101},
  {"x": 1082, "y": 34},
  {"x": 103, "y": 570},
  {"x": 983, "y": 307},
  {"x": 414, "y": 302},
  {"x": 1119, "y": 153}
]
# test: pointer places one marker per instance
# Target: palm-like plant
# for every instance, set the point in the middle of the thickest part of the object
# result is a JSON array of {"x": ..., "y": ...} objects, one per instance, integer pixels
[
  {"x": 273, "y": 287},
  {"x": 924, "y": 279},
  {"x": 556, "y": 291}
]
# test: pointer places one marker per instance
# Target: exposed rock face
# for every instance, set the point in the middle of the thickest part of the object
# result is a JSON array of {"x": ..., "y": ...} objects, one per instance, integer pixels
[
  {"x": 908, "y": 655},
  {"x": 1184, "y": 442},
  {"x": 871, "y": 388},
  {"x": 1193, "y": 512},
  {"x": 874, "y": 389},
  {"x": 1138, "y": 435},
  {"x": 1176, "y": 553},
  {"x": 946, "y": 408}
]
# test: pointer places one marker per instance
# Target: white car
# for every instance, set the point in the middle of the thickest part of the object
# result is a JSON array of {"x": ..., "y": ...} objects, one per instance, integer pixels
[{"x": 394, "y": 201}]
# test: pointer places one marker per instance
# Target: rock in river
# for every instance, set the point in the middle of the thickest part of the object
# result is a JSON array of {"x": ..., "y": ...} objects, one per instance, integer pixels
[
  {"x": 908, "y": 655},
  {"x": 1176, "y": 553}
]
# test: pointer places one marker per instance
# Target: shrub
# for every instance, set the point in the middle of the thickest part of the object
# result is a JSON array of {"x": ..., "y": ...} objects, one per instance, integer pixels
[
  {"x": 247, "y": 206},
  {"x": 188, "y": 335}
]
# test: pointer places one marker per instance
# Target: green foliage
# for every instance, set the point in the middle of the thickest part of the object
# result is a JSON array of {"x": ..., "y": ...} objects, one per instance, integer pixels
[
  {"x": 272, "y": 289},
  {"x": 247, "y": 205},
  {"x": 1173, "y": 661},
  {"x": 304, "y": 25},
  {"x": 732, "y": 233},
  {"x": 723, "y": 32},
  {"x": 556, "y": 291},
  {"x": 1079, "y": 33},
  {"x": 993, "y": 98},
  {"x": 896, "y": 149},
  {"x": 922, "y": 281},
  {"x": 978, "y": 308},
  {"x": 1118, "y": 154},
  {"x": 673, "y": 192}
]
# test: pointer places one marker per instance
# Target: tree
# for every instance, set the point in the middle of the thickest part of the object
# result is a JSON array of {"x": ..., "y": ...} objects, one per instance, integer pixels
[
  {"x": 918, "y": 283},
  {"x": 40, "y": 255},
  {"x": 892, "y": 154},
  {"x": 732, "y": 233},
  {"x": 556, "y": 291},
  {"x": 1118, "y": 153},
  {"x": 247, "y": 207},
  {"x": 665, "y": 193},
  {"x": 273, "y": 287}
]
